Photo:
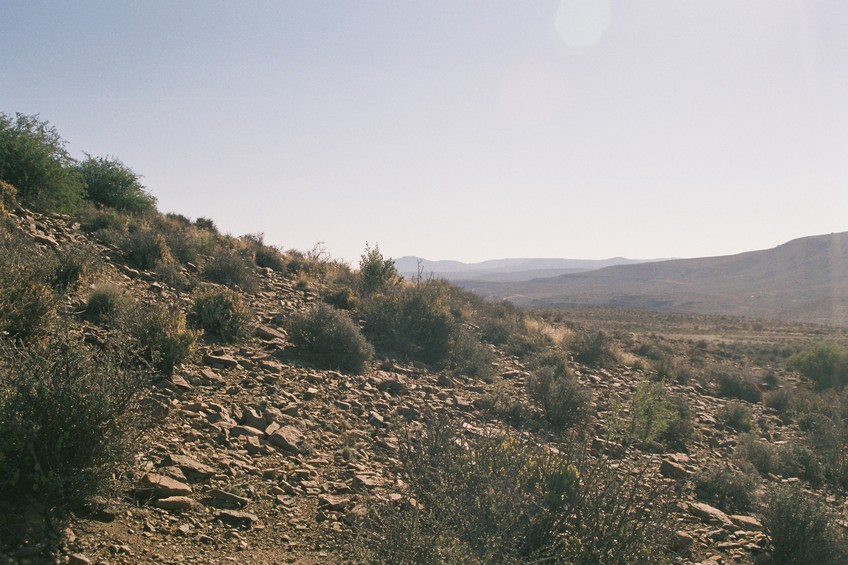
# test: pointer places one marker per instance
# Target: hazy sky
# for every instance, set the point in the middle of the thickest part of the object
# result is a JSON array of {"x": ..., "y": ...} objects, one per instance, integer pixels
[{"x": 465, "y": 130}]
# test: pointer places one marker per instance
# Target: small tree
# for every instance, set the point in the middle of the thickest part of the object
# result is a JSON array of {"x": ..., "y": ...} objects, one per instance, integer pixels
[
  {"x": 113, "y": 184},
  {"x": 34, "y": 160},
  {"x": 376, "y": 272}
]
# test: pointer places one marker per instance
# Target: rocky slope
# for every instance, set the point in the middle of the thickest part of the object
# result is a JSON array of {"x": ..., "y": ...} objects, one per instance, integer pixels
[{"x": 252, "y": 458}]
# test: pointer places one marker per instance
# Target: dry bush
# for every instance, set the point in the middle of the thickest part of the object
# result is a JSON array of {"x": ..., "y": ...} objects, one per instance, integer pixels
[
  {"x": 329, "y": 338},
  {"x": 160, "y": 334},
  {"x": 565, "y": 402},
  {"x": 728, "y": 488},
  {"x": 501, "y": 499},
  {"x": 222, "y": 314},
  {"x": 106, "y": 303},
  {"x": 802, "y": 530},
  {"x": 66, "y": 420}
]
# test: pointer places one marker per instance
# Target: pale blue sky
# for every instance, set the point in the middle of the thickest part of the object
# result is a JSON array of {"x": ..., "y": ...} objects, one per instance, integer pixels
[{"x": 458, "y": 129}]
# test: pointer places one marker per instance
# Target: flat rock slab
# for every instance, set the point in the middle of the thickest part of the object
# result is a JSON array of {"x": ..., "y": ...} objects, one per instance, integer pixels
[
  {"x": 334, "y": 503},
  {"x": 160, "y": 486},
  {"x": 239, "y": 519},
  {"x": 268, "y": 333},
  {"x": 747, "y": 523},
  {"x": 287, "y": 438},
  {"x": 709, "y": 514},
  {"x": 192, "y": 468},
  {"x": 179, "y": 504}
]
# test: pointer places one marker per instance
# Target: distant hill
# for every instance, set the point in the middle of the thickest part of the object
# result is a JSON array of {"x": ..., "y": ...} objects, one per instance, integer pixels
[
  {"x": 803, "y": 280},
  {"x": 504, "y": 270}
]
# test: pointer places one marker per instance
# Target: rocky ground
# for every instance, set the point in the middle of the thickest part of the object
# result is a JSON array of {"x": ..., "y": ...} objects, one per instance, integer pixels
[{"x": 253, "y": 458}]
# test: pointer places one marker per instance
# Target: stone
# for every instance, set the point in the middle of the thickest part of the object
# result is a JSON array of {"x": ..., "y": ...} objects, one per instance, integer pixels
[
  {"x": 160, "y": 486},
  {"x": 334, "y": 503},
  {"x": 238, "y": 518},
  {"x": 248, "y": 431},
  {"x": 709, "y": 514},
  {"x": 226, "y": 361},
  {"x": 268, "y": 333},
  {"x": 362, "y": 481},
  {"x": 747, "y": 523},
  {"x": 78, "y": 559},
  {"x": 673, "y": 470},
  {"x": 228, "y": 497},
  {"x": 179, "y": 504},
  {"x": 190, "y": 467},
  {"x": 287, "y": 438},
  {"x": 681, "y": 541}
]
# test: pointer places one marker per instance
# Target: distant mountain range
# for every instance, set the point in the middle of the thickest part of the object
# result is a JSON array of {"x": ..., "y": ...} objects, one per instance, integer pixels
[
  {"x": 503, "y": 270},
  {"x": 803, "y": 280}
]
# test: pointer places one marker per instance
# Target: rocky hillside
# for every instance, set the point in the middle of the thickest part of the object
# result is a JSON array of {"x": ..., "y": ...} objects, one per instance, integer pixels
[
  {"x": 252, "y": 455},
  {"x": 802, "y": 281}
]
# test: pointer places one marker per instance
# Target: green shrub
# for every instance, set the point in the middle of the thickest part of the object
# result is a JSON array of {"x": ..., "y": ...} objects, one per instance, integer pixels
[
  {"x": 594, "y": 349},
  {"x": 329, "y": 338},
  {"x": 144, "y": 249},
  {"x": 93, "y": 219},
  {"x": 469, "y": 357},
  {"x": 266, "y": 256},
  {"x": 802, "y": 530},
  {"x": 503, "y": 403},
  {"x": 737, "y": 415},
  {"x": 375, "y": 272},
  {"x": 826, "y": 364},
  {"x": 34, "y": 160},
  {"x": 501, "y": 499},
  {"x": 736, "y": 385},
  {"x": 659, "y": 417},
  {"x": 161, "y": 334},
  {"x": 412, "y": 322},
  {"x": 728, "y": 488},
  {"x": 113, "y": 184},
  {"x": 173, "y": 275},
  {"x": 74, "y": 265},
  {"x": 222, "y": 314},
  {"x": 206, "y": 224},
  {"x": 231, "y": 269},
  {"x": 27, "y": 301},
  {"x": 341, "y": 297},
  {"x": 106, "y": 304},
  {"x": 565, "y": 402},
  {"x": 66, "y": 420}
]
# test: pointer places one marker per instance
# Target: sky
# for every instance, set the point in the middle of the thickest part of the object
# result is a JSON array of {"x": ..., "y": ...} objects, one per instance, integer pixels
[{"x": 457, "y": 129}]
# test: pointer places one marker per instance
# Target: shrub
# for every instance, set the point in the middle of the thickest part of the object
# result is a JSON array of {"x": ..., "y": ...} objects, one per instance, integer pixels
[
  {"x": 659, "y": 416},
  {"x": 106, "y": 303},
  {"x": 826, "y": 364},
  {"x": 27, "y": 302},
  {"x": 66, "y": 420},
  {"x": 266, "y": 256},
  {"x": 231, "y": 269},
  {"x": 93, "y": 219},
  {"x": 801, "y": 529},
  {"x": 222, "y": 314},
  {"x": 172, "y": 275},
  {"x": 564, "y": 401},
  {"x": 7, "y": 196},
  {"x": 737, "y": 415},
  {"x": 113, "y": 184},
  {"x": 206, "y": 224},
  {"x": 593, "y": 349},
  {"x": 736, "y": 385},
  {"x": 728, "y": 488},
  {"x": 341, "y": 297},
  {"x": 34, "y": 160},
  {"x": 501, "y": 499},
  {"x": 502, "y": 403},
  {"x": 73, "y": 266},
  {"x": 329, "y": 338},
  {"x": 144, "y": 249},
  {"x": 412, "y": 322},
  {"x": 161, "y": 334},
  {"x": 375, "y": 272},
  {"x": 469, "y": 357}
]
